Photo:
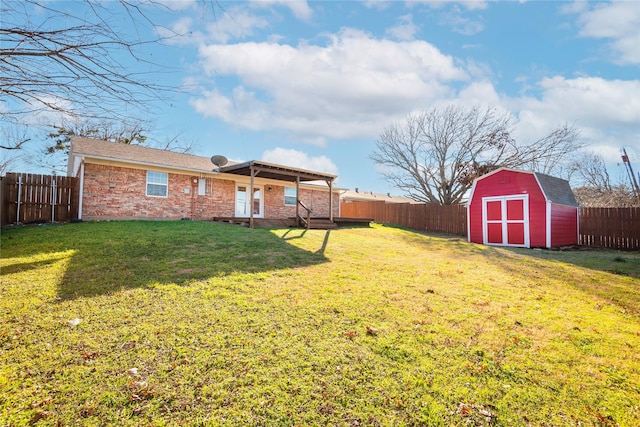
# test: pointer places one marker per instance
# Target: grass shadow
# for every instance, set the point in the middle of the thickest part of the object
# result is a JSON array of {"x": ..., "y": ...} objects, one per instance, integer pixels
[
  {"x": 21, "y": 267},
  {"x": 111, "y": 256},
  {"x": 325, "y": 242}
]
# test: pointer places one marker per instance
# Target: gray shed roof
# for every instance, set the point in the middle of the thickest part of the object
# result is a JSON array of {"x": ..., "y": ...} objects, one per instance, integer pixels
[{"x": 556, "y": 190}]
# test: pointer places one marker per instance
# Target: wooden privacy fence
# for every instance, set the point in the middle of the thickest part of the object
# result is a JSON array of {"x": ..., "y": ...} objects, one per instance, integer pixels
[
  {"x": 29, "y": 198},
  {"x": 450, "y": 219},
  {"x": 617, "y": 228},
  {"x": 614, "y": 228}
]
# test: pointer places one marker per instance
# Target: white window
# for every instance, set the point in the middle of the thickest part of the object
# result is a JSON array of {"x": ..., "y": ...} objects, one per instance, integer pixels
[
  {"x": 157, "y": 184},
  {"x": 202, "y": 186},
  {"x": 290, "y": 196}
]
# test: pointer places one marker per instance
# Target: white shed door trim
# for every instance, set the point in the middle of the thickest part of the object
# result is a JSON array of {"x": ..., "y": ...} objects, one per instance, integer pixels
[{"x": 502, "y": 226}]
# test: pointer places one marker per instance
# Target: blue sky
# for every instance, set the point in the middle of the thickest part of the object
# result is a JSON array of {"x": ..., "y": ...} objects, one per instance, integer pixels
[{"x": 313, "y": 83}]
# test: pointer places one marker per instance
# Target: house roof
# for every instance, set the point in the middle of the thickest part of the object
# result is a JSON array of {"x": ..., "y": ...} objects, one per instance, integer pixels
[
  {"x": 273, "y": 171},
  {"x": 106, "y": 150}
]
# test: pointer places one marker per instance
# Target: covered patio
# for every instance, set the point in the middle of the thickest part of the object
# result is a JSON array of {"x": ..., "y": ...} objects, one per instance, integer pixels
[{"x": 255, "y": 168}]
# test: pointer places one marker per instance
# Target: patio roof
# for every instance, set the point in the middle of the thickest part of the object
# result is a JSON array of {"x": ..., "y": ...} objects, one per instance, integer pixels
[
  {"x": 256, "y": 168},
  {"x": 278, "y": 172}
]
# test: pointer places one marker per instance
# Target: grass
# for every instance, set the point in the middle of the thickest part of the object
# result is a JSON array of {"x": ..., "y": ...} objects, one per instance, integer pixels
[{"x": 190, "y": 323}]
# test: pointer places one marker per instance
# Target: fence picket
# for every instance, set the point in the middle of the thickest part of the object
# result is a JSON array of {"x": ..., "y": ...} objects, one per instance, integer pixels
[
  {"x": 613, "y": 228},
  {"x": 28, "y": 198}
]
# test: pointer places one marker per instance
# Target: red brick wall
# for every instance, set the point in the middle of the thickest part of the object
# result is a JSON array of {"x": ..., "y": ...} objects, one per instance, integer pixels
[
  {"x": 316, "y": 200},
  {"x": 113, "y": 192}
]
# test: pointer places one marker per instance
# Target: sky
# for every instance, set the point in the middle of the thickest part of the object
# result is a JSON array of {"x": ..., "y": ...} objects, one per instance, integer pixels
[{"x": 312, "y": 84}]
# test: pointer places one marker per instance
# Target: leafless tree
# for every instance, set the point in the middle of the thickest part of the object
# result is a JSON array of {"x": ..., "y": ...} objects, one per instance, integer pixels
[
  {"x": 595, "y": 187},
  {"x": 434, "y": 156},
  {"x": 12, "y": 138},
  {"x": 57, "y": 56},
  {"x": 130, "y": 132}
]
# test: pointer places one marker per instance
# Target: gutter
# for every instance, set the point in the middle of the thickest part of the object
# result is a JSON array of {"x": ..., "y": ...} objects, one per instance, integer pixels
[{"x": 157, "y": 165}]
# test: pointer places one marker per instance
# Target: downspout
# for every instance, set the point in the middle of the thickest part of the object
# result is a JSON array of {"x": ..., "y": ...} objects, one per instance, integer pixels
[{"x": 81, "y": 189}]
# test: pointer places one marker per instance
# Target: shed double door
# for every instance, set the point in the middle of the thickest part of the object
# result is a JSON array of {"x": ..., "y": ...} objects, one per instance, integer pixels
[{"x": 505, "y": 220}]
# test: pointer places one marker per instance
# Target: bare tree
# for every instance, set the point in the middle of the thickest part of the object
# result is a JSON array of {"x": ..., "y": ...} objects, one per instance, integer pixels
[
  {"x": 58, "y": 141},
  {"x": 434, "y": 156},
  {"x": 57, "y": 56},
  {"x": 120, "y": 132},
  {"x": 595, "y": 187},
  {"x": 12, "y": 138}
]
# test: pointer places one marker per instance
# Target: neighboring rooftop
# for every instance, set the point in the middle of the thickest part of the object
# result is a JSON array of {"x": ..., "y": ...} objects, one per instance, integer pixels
[{"x": 369, "y": 196}]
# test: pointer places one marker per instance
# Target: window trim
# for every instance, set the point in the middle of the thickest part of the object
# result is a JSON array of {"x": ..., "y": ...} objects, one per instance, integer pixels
[
  {"x": 202, "y": 186},
  {"x": 164, "y": 184},
  {"x": 295, "y": 196}
]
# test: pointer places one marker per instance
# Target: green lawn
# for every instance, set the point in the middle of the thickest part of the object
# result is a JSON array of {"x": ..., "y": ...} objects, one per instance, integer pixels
[{"x": 193, "y": 323}]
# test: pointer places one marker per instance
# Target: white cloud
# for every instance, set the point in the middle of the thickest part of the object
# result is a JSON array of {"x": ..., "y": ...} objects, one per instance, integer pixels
[
  {"x": 377, "y": 4},
  {"x": 480, "y": 93},
  {"x": 300, "y": 159},
  {"x": 593, "y": 100},
  {"x": 605, "y": 112},
  {"x": 437, "y": 4},
  {"x": 405, "y": 30},
  {"x": 345, "y": 89},
  {"x": 461, "y": 24},
  {"x": 174, "y": 5},
  {"x": 300, "y": 8},
  {"x": 234, "y": 23},
  {"x": 618, "y": 21}
]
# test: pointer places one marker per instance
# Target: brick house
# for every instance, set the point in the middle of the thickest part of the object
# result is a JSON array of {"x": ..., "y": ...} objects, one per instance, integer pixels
[{"x": 120, "y": 181}]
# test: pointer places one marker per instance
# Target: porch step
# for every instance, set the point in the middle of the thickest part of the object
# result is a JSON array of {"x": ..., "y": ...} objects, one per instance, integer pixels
[{"x": 322, "y": 224}]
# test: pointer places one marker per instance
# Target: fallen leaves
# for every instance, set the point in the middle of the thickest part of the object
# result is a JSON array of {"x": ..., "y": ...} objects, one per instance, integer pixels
[
  {"x": 90, "y": 355},
  {"x": 477, "y": 413}
]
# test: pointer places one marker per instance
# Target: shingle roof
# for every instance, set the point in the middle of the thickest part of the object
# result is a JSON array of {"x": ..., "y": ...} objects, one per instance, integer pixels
[
  {"x": 137, "y": 154},
  {"x": 368, "y": 196},
  {"x": 556, "y": 190}
]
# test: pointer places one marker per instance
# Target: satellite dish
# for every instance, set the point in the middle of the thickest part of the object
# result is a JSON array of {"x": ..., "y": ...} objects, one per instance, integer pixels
[{"x": 219, "y": 160}]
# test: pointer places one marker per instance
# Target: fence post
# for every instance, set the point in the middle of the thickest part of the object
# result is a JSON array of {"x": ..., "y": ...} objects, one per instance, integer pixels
[
  {"x": 19, "y": 194},
  {"x": 53, "y": 199}
]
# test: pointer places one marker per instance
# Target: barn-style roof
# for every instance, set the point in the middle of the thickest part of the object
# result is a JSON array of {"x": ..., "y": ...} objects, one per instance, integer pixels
[{"x": 555, "y": 190}]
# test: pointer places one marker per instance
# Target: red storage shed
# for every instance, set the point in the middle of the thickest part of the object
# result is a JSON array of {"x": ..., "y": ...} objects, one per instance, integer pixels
[{"x": 527, "y": 209}]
